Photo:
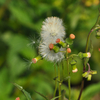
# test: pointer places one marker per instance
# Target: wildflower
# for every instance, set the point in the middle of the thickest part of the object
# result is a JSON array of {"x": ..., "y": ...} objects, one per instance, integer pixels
[
  {"x": 98, "y": 34},
  {"x": 88, "y": 74},
  {"x": 51, "y": 55},
  {"x": 88, "y": 54},
  {"x": 34, "y": 60},
  {"x": 61, "y": 43},
  {"x": 53, "y": 47},
  {"x": 17, "y": 98},
  {"x": 73, "y": 64},
  {"x": 52, "y": 29},
  {"x": 82, "y": 55},
  {"x": 72, "y": 36},
  {"x": 75, "y": 70},
  {"x": 98, "y": 49},
  {"x": 68, "y": 50}
]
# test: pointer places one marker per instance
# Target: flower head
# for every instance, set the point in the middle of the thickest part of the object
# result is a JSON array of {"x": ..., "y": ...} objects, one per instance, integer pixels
[
  {"x": 45, "y": 48},
  {"x": 75, "y": 70},
  {"x": 17, "y": 98},
  {"x": 88, "y": 54},
  {"x": 88, "y": 74},
  {"x": 83, "y": 55},
  {"x": 52, "y": 29},
  {"x": 53, "y": 47},
  {"x": 73, "y": 64},
  {"x": 72, "y": 36},
  {"x": 61, "y": 43},
  {"x": 68, "y": 50},
  {"x": 34, "y": 60}
]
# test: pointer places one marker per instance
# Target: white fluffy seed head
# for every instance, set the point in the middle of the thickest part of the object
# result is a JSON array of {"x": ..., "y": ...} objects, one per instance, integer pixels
[
  {"x": 48, "y": 54},
  {"x": 52, "y": 28}
]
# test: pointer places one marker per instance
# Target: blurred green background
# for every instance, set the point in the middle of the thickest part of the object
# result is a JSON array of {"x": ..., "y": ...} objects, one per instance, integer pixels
[{"x": 20, "y": 27}]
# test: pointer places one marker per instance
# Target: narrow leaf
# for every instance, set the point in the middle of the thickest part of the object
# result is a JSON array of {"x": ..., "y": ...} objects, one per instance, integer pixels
[
  {"x": 42, "y": 95},
  {"x": 90, "y": 91},
  {"x": 25, "y": 92},
  {"x": 55, "y": 97}
]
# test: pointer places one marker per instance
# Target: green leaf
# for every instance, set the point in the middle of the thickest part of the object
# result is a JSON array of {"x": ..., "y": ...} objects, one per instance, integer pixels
[
  {"x": 25, "y": 92},
  {"x": 42, "y": 95},
  {"x": 63, "y": 92},
  {"x": 69, "y": 41},
  {"x": 17, "y": 46},
  {"x": 90, "y": 91},
  {"x": 23, "y": 17},
  {"x": 5, "y": 86},
  {"x": 55, "y": 97}
]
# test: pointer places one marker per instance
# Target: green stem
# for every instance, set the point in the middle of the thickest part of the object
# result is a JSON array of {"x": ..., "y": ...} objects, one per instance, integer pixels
[
  {"x": 69, "y": 81},
  {"x": 68, "y": 76},
  {"x": 86, "y": 49},
  {"x": 62, "y": 70},
  {"x": 59, "y": 83},
  {"x": 92, "y": 29},
  {"x": 55, "y": 80}
]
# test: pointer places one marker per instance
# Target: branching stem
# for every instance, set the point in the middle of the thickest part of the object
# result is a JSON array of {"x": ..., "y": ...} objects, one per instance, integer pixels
[
  {"x": 86, "y": 50},
  {"x": 68, "y": 76},
  {"x": 55, "y": 80},
  {"x": 59, "y": 82}
]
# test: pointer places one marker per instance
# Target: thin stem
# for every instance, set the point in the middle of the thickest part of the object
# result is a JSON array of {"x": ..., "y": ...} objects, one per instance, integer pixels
[
  {"x": 62, "y": 70},
  {"x": 69, "y": 80},
  {"x": 68, "y": 76},
  {"x": 59, "y": 83},
  {"x": 86, "y": 49},
  {"x": 55, "y": 80},
  {"x": 92, "y": 29},
  {"x": 82, "y": 85},
  {"x": 73, "y": 55},
  {"x": 88, "y": 67}
]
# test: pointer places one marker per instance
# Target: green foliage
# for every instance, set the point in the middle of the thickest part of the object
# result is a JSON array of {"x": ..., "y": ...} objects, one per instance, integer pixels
[
  {"x": 28, "y": 96},
  {"x": 90, "y": 91},
  {"x": 20, "y": 19}
]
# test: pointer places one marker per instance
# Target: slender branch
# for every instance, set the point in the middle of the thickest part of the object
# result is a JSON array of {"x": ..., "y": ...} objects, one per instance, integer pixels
[
  {"x": 59, "y": 82},
  {"x": 86, "y": 49},
  {"x": 82, "y": 85},
  {"x": 55, "y": 80},
  {"x": 68, "y": 76}
]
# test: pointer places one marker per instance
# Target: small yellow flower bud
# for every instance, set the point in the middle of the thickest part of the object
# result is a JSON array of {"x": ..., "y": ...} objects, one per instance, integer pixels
[{"x": 89, "y": 77}]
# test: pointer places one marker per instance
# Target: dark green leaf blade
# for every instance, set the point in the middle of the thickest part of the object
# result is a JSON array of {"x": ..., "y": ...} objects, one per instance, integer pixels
[
  {"x": 42, "y": 95},
  {"x": 25, "y": 92}
]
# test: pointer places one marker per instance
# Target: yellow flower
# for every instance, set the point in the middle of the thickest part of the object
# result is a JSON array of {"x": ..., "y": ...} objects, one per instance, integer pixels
[{"x": 88, "y": 74}]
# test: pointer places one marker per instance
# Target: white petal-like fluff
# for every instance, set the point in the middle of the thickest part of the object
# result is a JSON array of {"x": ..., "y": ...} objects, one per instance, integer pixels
[
  {"x": 48, "y": 54},
  {"x": 52, "y": 29}
]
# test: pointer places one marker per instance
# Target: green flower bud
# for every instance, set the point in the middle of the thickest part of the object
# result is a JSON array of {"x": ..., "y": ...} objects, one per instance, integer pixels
[
  {"x": 98, "y": 34},
  {"x": 73, "y": 64},
  {"x": 89, "y": 77},
  {"x": 69, "y": 41},
  {"x": 34, "y": 60},
  {"x": 56, "y": 49},
  {"x": 53, "y": 47},
  {"x": 61, "y": 43},
  {"x": 83, "y": 55}
]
